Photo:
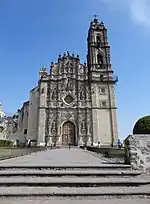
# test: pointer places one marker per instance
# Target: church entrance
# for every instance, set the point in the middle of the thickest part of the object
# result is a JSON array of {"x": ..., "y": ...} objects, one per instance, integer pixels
[{"x": 68, "y": 133}]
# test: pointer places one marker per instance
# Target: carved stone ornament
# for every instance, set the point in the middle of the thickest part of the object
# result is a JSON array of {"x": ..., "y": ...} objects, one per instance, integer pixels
[
  {"x": 68, "y": 115},
  {"x": 93, "y": 91},
  {"x": 83, "y": 129},
  {"x": 54, "y": 127},
  {"x": 90, "y": 129},
  {"x": 54, "y": 139},
  {"x": 81, "y": 69},
  {"x": 68, "y": 84},
  {"x": 54, "y": 94},
  {"x": 82, "y": 95}
]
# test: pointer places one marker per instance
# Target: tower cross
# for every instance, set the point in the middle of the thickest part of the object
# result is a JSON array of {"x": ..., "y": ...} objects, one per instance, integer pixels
[{"x": 95, "y": 16}]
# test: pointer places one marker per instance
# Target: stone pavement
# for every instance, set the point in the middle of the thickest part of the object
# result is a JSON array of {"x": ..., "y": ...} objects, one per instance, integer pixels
[{"x": 62, "y": 156}]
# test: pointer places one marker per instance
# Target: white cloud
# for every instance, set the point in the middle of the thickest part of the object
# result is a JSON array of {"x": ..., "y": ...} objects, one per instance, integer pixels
[{"x": 139, "y": 10}]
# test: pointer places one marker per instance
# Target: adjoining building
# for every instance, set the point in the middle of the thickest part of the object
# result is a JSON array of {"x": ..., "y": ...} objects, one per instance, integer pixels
[{"x": 74, "y": 103}]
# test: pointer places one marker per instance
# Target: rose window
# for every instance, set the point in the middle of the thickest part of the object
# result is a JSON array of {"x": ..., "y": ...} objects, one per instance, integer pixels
[{"x": 68, "y": 99}]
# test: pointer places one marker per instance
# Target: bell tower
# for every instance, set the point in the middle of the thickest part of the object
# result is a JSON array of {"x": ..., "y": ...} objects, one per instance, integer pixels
[
  {"x": 98, "y": 48},
  {"x": 102, "y": 84}
]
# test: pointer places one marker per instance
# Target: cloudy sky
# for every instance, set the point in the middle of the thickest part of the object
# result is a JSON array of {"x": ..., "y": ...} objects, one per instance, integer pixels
[
  {"x": 137, "y": 10},
  {"x": 34, "y": 32}
]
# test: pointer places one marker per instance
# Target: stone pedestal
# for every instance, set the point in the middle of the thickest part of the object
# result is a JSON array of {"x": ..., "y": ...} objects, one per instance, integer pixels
[
  {"x": 80, "y": 142},
  {"x": 41, "y": 144},
  {"x": 137, "y": 150},
  {"x": 89, "y": 141}
]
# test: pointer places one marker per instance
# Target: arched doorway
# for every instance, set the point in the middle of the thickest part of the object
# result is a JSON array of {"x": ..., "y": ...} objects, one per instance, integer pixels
[{"x": 68, "y": 133}]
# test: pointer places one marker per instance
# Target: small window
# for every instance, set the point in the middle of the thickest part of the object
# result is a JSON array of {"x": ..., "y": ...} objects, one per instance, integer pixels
[
  {"x": 103, "y": 90},
  {"x": 25, "y": 131},
  {"x": 67, "y": 69},
  {"x": 42, "y": 90},
  {"x": 22, "y": 115},
  {"x": 68, "y": 99},
  {"x": 101, "y": 77},
  {"x": 99, "y": 59},
  {"x": 103, "y": 104},
  {"x": 98, "y": 39}
]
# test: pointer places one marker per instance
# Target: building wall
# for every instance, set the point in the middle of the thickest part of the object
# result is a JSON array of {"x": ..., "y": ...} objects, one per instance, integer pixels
[
  {"x": 42, "y": 113},
  {"x": 22, "y": 129},
  {"x": 113, "y": 113},
  {"x": 102, "y": 83},
  {"x": 25, "y": 117},
  {"x": 104, "y": 114},
  {"x": 20, "y": 120},
  {"x": 101, "y": 114},
  {"x": 33, "y": 114}
]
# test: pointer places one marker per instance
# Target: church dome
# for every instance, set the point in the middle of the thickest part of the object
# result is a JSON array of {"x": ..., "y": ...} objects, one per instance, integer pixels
[{"x": 142, "y": 126}]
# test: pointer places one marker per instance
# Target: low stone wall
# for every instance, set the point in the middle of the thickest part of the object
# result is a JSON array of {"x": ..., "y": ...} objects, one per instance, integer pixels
[
  {"x": 17, "y": 152},
  {"x": 137, "y": 151},
  {"x": 108, "y": 151}
]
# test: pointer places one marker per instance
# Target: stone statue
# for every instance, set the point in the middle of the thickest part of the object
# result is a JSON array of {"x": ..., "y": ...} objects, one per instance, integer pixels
[
  {"x": 54, "y": 94},
  {"x": 83, "y": 129},
  {"x": 68, "y": 84},
  {"x": 82, "y": 95},
  {"x": 54, "y": 127}
]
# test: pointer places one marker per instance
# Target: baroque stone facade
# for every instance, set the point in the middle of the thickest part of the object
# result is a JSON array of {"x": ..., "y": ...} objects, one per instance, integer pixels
[{"x": 75, "y": 103}]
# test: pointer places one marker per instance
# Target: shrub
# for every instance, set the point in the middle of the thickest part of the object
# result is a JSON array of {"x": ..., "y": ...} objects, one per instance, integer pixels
[
  {"x": 142, "y": 126},
  {"x": 6, "y": 143},
  {"x": 1, "y": 128}
]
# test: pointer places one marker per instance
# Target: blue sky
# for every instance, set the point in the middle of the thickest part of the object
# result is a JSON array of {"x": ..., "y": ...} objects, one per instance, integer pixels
[{"x": 34, "y": 32}]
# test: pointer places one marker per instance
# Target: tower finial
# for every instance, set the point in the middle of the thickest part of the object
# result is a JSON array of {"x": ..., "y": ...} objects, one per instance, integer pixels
[{"x": 95, "y": 18}]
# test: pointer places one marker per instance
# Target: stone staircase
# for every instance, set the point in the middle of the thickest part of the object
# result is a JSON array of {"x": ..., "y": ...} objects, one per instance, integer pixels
[{"x": 72, "y": 181}]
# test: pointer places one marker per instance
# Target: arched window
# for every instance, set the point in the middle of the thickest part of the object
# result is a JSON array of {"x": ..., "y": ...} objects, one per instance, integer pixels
[
  {"x": 98, "y": 39},
  {"x": 99, "y": 59},
  {"x": 101, "y": 77},
  {"x": 42, "y": 90},
  {"x": 67, "y": 69}
]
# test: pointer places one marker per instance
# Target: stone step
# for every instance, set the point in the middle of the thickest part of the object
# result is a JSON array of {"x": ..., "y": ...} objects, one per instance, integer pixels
[
  {"x": 84, "y": 200},
  {"x": 52, "y": 173},
  {"x": 71, "y": 181},
  {"x": 48, "y": 200},
  {"x": 73, "y": 192},
  {"x": 67, "y": 167}
]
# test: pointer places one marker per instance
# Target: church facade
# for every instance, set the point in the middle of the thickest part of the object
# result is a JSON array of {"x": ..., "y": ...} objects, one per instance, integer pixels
[{"x": 74, "y": 103}]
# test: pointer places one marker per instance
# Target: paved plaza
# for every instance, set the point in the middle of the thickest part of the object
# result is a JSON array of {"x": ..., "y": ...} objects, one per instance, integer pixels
[{"x": 62, "y": 156}]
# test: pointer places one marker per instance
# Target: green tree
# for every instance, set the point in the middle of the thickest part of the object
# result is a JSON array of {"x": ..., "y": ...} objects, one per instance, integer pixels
[{"x": 142, "y": 126}]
